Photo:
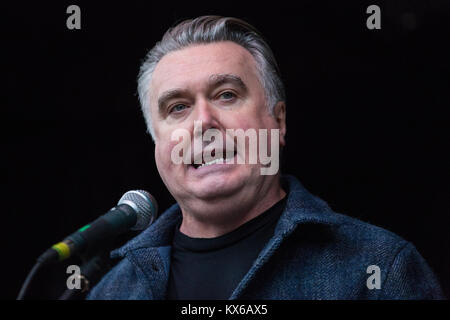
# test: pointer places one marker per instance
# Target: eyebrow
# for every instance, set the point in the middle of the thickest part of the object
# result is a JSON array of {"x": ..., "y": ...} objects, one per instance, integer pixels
[
  {"x": 168, "y": 95},
  {"x": 214, "y": 80}
]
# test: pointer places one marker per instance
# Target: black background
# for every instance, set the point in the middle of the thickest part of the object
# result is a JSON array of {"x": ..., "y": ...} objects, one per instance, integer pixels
[{"x": 368, "y": 120}]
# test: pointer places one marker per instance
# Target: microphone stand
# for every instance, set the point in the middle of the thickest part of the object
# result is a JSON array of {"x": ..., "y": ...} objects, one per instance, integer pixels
[
  {"x": 94, "y": 267},
  {"x": 91, "y": 272}
]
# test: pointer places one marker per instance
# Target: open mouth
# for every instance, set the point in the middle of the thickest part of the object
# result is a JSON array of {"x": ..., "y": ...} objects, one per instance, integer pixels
[{"x": 215, "y": 161}]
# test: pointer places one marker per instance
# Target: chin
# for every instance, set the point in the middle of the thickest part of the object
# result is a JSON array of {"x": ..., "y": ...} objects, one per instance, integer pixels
[{"x": 216, "y": 187}]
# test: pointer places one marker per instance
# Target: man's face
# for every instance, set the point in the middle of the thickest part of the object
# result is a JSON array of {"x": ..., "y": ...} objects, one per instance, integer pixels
[{"x": 217, "y": 84}]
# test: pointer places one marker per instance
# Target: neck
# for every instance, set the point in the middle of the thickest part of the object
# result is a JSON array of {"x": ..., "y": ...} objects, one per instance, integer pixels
[{"x": 216, "y": 218}]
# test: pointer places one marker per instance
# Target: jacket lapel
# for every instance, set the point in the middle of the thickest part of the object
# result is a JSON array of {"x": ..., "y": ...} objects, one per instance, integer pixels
[{"x": 301, "y": 208}]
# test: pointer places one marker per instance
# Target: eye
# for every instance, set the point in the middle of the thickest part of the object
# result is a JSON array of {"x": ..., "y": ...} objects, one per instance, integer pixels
[
  {"x": 177, "y": 108},
  {"x": 227, "y": 95}
]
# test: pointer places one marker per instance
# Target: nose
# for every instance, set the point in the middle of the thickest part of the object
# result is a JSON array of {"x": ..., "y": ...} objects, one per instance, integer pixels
[{"x": 207, "y": 114}]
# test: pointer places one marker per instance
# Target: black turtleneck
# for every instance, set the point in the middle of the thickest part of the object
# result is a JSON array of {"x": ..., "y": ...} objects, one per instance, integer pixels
[{"x": 211, "y": 268}]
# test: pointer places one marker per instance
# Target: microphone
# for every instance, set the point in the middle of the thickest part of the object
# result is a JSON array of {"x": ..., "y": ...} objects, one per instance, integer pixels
[{"x": 135, "y": 210}]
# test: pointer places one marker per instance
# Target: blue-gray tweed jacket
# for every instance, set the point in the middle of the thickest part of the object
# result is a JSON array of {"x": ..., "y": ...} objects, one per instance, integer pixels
[{"x": 315, "y": 253}]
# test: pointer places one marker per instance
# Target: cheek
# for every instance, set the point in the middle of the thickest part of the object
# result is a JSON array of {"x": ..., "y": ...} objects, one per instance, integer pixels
[
  {"x": 163, "y": 163},
  {"x": 158, "y": 159},
  {"x": 162, "y": 155},
  {"x": 166, "y": 149},
  {"x": 240, "y": 121},
  {"x": 255, "y": 121}
]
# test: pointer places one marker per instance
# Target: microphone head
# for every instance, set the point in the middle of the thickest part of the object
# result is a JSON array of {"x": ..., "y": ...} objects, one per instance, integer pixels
[{"x": 145, "y": 206}]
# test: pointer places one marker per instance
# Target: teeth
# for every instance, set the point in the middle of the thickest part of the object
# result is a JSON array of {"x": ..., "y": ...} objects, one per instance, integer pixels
[{"x": 211, "y": 162}]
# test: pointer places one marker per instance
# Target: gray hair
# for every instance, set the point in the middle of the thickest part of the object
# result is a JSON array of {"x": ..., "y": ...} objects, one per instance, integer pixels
[{"x": 209, "y": 29}]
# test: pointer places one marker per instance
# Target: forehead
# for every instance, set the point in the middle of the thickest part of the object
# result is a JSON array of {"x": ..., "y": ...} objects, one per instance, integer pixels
[{"x": 193, "y": 66}]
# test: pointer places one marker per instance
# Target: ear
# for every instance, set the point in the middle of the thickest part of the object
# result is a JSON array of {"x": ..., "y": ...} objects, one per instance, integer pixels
[{"x": 279, "y": 114}]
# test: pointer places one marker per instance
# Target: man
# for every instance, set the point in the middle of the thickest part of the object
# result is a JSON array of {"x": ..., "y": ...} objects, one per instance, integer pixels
[{"x": 238, "y": 231}]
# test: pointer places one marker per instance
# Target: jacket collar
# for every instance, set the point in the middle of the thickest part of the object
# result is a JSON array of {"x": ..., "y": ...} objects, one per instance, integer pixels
[
  {"x": 301, "y": 207},
  {"x": 149, "y": 252}
]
